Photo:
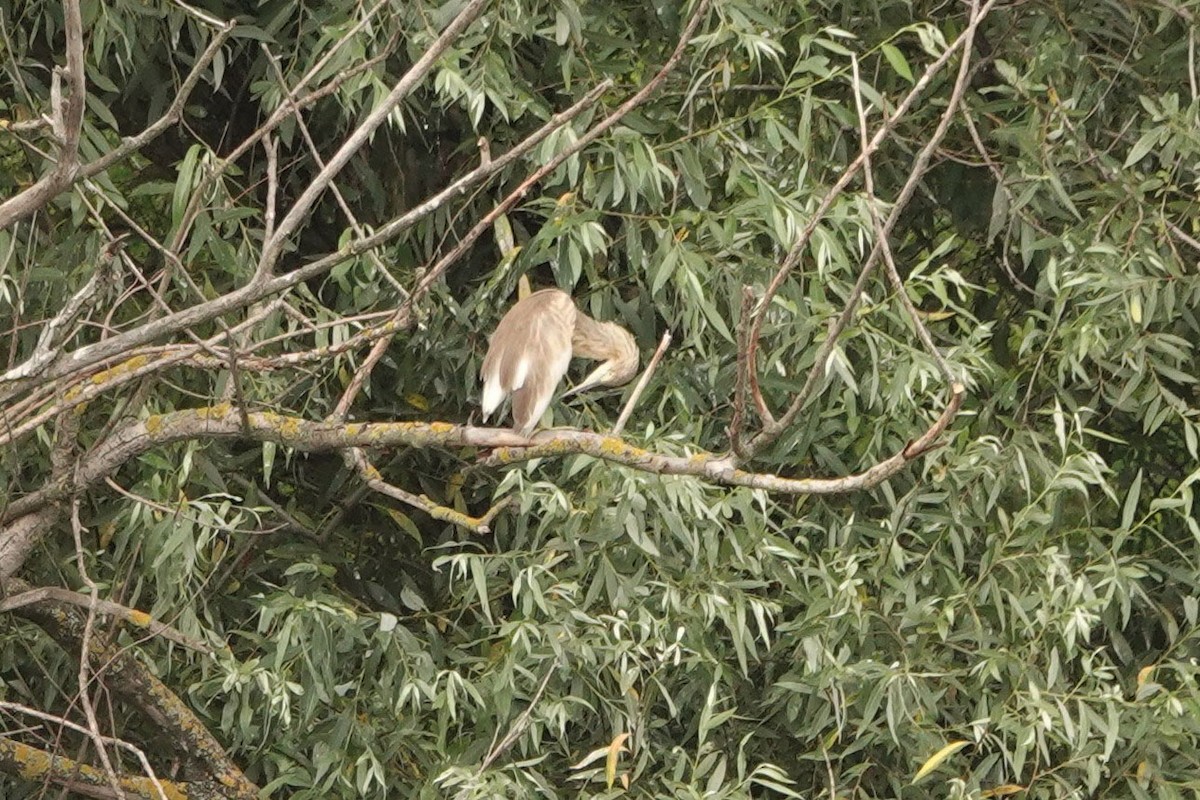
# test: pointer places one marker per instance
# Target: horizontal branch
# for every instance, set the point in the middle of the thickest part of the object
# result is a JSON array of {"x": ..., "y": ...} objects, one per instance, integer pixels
[{"x": 226, "y": 421}]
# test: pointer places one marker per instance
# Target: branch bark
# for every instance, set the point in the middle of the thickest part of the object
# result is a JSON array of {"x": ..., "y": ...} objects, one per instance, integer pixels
[
  {"x": 68, "y": 119},
  {"x": 226, "y": 422}
]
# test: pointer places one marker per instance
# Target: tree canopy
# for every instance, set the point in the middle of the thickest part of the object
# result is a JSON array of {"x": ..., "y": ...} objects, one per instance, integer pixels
[{"x": 903, "y": 507}]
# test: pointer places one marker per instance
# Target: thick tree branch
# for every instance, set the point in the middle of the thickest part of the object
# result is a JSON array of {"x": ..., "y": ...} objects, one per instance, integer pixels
[
  {"x": 227, "y": 422},
  {"x": 62, "y": 722},
  {"x": 124, "y": 672},
  {"x": 34, "y": 764}
]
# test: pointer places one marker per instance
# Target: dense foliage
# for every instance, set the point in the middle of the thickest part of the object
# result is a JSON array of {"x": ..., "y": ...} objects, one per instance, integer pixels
[{"x": 1015, "y": 611}]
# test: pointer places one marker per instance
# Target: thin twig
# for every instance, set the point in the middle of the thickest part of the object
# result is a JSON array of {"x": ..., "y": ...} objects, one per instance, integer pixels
[
  {"x": 18, "y": 708},
  {"x": 517, "y": 728},
  {"x": 889, "y": 262},
  {"x": 641, "y": 385},
  {"x": 85, "y": 678},
  {"x": 67, "y": 121},
  {"x": 771, "y": 427},
  {"x": 740, "y": 383}
]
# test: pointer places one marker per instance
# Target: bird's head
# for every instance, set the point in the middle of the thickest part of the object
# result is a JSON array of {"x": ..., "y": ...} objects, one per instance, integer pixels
[{"x": 612, "y": 343}]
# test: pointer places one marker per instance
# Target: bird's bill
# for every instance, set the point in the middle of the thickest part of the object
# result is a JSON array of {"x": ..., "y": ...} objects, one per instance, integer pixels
[
  {"x": 583, "y": 387},
  {"x": 595, "y": 378}
]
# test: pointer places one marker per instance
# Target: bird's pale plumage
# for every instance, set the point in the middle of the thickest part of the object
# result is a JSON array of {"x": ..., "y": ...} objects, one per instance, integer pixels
[{"x": 530, "y": 350}]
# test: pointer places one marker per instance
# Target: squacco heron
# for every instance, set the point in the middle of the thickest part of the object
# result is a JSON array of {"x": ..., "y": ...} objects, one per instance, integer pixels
[{"x": 532, "y": 346}]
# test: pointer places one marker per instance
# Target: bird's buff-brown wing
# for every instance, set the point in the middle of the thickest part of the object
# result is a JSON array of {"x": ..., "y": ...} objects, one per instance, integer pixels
[{"x": 528, "y": 355}]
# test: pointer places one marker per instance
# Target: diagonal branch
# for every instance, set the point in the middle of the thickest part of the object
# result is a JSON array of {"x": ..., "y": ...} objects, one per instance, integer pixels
[
  {"x": 357, "y": 460},
  {"x": 125, "y": 673},
  {"x": 273, "y": 247},
  {"x": 889, "y": 262},
  {"x": 89, "y": 355},
  {"x": 771, "y": 427}
]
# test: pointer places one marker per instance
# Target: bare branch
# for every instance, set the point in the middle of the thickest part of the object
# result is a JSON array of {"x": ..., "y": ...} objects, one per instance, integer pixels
[
  {"x": 35, "y": 764},
  {"x": 889, "y": 262},
  {"x": 273, "y": 247},
  {"x": 641, "y": 385},
  {"x": 85, "y": 667},
  {"x": 741, "y": 384},
  {"x": 55, "y": 330},
  {"x": 772, "y": 429},
  {"x": 68, "y": 120},
  {"x": 963, "y": 42},
  {"x": 126, "y": 674}
]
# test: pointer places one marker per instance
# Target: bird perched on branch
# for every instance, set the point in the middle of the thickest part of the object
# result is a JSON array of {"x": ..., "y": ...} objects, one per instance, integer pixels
[{"x": 532, "y": 346}]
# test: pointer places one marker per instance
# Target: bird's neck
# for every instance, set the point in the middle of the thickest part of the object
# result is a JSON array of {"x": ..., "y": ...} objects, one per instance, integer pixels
[{"x": 600, "y": 341}]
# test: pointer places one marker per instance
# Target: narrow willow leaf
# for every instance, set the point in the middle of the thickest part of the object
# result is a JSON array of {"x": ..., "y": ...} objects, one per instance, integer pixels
[{"x": 935, "y": 760}]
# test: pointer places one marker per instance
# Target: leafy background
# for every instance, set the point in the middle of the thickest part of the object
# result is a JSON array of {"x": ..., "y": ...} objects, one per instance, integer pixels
[{"x": 1028, "y": 589}]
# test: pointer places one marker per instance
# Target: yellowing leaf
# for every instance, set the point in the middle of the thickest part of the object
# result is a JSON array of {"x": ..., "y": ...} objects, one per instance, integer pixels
[
  {"x": 1144, "y": 674},
  {"x": 614, "y": 752},
  {"x": 937, "y": 758},
  {"x": 107, "y": 531},
  {"x": 1002, "y": 791},
  {"x": 565, "y": 198},
  {"x": 417, "y": 401},
  {"x": 1135, "y": 309}
]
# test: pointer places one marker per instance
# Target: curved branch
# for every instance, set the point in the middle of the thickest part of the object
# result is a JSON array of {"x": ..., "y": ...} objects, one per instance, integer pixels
[
  {"x": 772, "y": 427},
  {"x": 226, "y": 421}
]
